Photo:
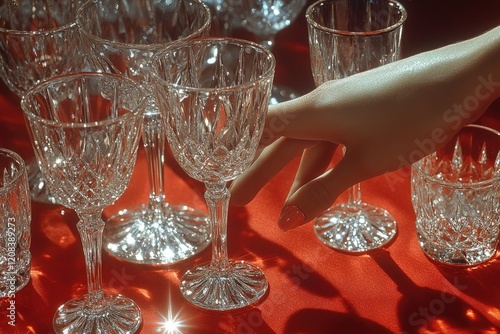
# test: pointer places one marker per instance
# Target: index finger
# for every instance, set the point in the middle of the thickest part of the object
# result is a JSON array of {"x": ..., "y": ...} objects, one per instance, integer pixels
[{"x": 300, "y": 118}]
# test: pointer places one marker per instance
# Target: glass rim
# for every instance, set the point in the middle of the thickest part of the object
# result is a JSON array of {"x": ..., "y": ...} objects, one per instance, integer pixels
[
  {"x": 416, "y": 166},
  {"x": 5, "y": 188},
  {"x": 269, "y": 73},
  {"x": 138, "y": 46},
  {"x": 57, "y": 124},
  {"x": 42, "y": 32},
  {"x": 387, "y": 29}
]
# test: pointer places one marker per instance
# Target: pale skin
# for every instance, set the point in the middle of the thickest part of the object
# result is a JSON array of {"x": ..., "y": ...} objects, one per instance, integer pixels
[{"x": 386, "y": 118}]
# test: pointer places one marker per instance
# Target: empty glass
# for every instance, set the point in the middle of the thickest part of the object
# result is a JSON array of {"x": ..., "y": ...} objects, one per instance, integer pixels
[
  {"x": 214, "y": 94},
  {"x": 15, "y": 224},
  {"x": 122, "y": 36},
  {"x": 456, "y": 197},
  {"x": 265, "y": 18},
  {"x": 38, "y": 40},
  {"x": 85, "y": 131},
  {"x": 348, "y": 37}
]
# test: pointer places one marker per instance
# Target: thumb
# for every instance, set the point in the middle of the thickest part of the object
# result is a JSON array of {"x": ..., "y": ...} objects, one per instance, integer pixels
[{"x": 316, "y": 196}]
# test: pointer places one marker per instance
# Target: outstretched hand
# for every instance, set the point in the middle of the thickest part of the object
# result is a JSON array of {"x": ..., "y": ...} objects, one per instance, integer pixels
[{"x": 385, "y": 118}]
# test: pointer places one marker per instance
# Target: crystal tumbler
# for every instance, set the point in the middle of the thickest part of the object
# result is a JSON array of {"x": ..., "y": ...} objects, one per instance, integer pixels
[{"x": 455, "y": 194}]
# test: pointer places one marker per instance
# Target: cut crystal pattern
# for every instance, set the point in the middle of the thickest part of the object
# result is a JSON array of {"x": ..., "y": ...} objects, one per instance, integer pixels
[
  {"x": 214, "y": 94},
  {"x": 456, "y": 196}
]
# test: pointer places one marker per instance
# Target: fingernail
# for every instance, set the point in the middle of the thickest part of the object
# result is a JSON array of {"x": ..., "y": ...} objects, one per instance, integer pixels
[{"x": 290, "y": 217}]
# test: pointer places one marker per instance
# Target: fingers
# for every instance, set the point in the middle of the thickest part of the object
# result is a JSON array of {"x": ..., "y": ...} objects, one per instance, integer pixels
[
  {"x": 304, "y": 117},
  {"x": 270, "y": 161},
  {"x": 317, "y": 195},
  {"x": 314, "y": 162}
]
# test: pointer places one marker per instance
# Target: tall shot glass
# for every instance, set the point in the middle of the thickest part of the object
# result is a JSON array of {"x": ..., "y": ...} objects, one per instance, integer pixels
[
  {"x": 456, "y": 198},
  {"x": 348, "y": 37},
  {"x": 15, "y": 220}
]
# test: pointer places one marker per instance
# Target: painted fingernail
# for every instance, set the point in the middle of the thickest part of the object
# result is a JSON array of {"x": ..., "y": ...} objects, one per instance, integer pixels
[{"x": 290, "y": 217}]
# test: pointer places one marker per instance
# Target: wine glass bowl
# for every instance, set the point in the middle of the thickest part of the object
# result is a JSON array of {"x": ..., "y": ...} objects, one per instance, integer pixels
[
  {"x": 345, "y": 38},
  {"x": 39, "y": 39},
  {"x": 265, "y": 18},
  {"x": 121, "y": 36},
  {"x": 31, "y": 33},
  {"x": 85, "y": 131},
  {"x": 214, "y": 94}
]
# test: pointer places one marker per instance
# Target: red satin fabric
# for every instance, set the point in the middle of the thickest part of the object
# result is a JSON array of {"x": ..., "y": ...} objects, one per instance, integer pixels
[{"x": 313, "y": 289}]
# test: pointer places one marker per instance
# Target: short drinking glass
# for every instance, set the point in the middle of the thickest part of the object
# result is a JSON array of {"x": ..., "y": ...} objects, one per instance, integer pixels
[{"x": 456, "y": 197}]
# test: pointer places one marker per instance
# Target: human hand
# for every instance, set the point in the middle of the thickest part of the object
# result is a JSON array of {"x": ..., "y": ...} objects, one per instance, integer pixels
[{"x": 386, "y": 118}]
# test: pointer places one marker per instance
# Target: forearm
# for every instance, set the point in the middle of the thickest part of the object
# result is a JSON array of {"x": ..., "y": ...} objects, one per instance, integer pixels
[
  {"x": 475, "y": 66},
  {"x": 445, "y": 88},
  {"x": 464, "y": 76},
  {"x": 381, "y": 116}
]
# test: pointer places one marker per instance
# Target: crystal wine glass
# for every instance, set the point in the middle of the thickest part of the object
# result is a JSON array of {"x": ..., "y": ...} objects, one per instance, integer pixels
[
  {"x": 347, "y": 37},
  {"x": 38, "y": 40},
  {"x": 121, "y": 36},
  {"x": 265, "y": 18},
  {"x": 85, "y": 130},
  {"x": 222, "y": 18},
  {"x": 214, "y": 94}
]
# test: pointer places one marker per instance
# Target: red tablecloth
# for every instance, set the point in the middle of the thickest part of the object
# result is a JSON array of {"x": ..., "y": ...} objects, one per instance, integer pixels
[{"x": 313, "y": 289}]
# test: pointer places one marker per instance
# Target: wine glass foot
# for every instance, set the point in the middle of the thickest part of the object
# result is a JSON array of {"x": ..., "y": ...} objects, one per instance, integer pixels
[
  {"x": 238, "y": 286},
  {"x": 38, "y": 189},
  {"x": 157, "y": 238},
  {"x": 355, "y": 228},
  {"x": 117, "y": 315},
  {"x": 281, "y": 94}
]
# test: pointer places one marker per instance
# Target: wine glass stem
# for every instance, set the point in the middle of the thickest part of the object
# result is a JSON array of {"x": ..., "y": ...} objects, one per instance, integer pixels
[
  {"x": 217, "y": 197},
  {"x": 354, "y": 195},
  {"x": 90, "y": 228},
  {"x": 154, "y": 145}
]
